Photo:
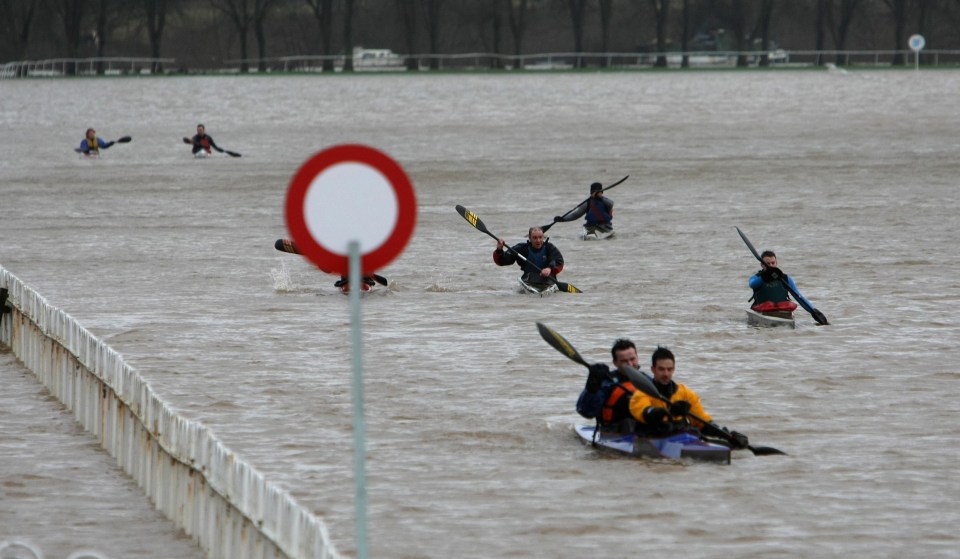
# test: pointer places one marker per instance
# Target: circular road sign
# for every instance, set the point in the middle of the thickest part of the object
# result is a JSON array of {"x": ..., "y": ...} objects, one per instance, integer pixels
[
  {"x": 916, "y": 42},
  {"x": 350, "y": 193}
]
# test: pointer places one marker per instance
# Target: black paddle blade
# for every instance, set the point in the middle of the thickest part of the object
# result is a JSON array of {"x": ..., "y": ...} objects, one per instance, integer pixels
[
  {"x": 819, "y": 317},
  {"x": 285, "y": 245},
  {"x": 231, "y": 153},
  {"x": 473, "y": 219},
  {"x": 766, "y": 451},
  {"x": 123, "y": 139},
  {"x": 380, "y": 279},
  {"x": 568, "y": 287},
  {"x": 642, "y": 382},
  {"x": 560, "y": 344},
  {"x": 749, "y": 245}
]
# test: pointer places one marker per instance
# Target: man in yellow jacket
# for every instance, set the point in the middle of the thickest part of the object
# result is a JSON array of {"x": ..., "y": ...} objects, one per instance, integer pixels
[{"x": 657, "y": 418}]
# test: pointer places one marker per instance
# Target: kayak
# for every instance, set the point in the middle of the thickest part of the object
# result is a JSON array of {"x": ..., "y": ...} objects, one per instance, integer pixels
[
  {"x": 594, "y": 233},
  {"x": 202, "y": 154},
  {"x": 540, "y": 289},
  {"x": 772, "y": 319},
  {"x": 678, "y": 446}
]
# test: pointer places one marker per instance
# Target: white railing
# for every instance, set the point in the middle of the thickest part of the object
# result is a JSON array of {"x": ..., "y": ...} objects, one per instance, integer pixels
[
  {"x": 229, "y": 509},
  {"x": 612, "y": 60},
  {"x": 110, "y": 66},
  {"x": 490, "y": 61}
]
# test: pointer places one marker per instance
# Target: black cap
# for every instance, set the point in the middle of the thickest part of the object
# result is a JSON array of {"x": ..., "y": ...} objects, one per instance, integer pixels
[{"x": 595, "y": 187}]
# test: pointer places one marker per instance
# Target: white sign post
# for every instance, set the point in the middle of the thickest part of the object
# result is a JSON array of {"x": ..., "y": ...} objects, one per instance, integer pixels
[
  {"x": 917, "y": 42},
  {"x": 351, "y": 210}
]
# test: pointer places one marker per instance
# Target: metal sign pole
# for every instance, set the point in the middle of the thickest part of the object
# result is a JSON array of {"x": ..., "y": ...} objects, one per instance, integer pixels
[{"x": 359, "y": 451}]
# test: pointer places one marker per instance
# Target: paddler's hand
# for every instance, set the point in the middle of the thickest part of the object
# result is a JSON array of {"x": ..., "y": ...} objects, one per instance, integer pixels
[
  {"x": 546, "y": 271},
  {"x": 654, "y": 416},
  {"x": 771, "y": 274},
  {"x": 500, "y": 244},
  {"x": 680, "y": 407},
  {"x": 739, "y": 440}
]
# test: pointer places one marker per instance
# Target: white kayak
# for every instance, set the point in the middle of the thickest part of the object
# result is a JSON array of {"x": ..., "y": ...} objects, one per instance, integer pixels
[
  {"x": 678, "y": 446},
  {"x": 540, "y": 289},
  {"x": 202, "y": 154},
  {"x": 775, "y": 319},
  {"x": 594, "y": 233}
]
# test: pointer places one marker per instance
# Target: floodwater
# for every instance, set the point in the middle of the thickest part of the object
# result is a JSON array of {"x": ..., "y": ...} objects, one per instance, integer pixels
[{"x": 850, "y": 177}]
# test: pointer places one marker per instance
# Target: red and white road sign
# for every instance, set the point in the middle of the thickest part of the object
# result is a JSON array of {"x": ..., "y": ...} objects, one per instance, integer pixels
[{"x": 349, "y": 193}]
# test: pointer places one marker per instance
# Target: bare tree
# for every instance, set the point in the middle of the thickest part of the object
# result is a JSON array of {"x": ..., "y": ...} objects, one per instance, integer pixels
[
  {"x": 16, "y": 22},
  {"x": 323, "y": 13},
  {"x": 685, "y": 34},
  {"x": 431, "y": 12},
  {"x": 899, "y": 10},
  {"x": 348, "y": 35},
  {"x": 517, "y": 19},
  {"x": 245, "y": 14},
  {"x": 820, "y": 36},
  {"x": 240, "y": 13},
  {"x": 606, "y": 14},
  {"x": 733, "y": 15},
  {"x": 262, "y": 9},
  {"x": 840, "y": 24},
  {"x": 155, "y": 16},
  {"x": 578, "y": 10},
  {"x": 408, "y": 17},
  {"x": 661, "y": 9},
  {"x": 71, "y": 13},
  {"x": 763, "y": 30}
]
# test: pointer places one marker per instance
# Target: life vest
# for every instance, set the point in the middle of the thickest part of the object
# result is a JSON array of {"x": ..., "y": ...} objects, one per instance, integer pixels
[
  {"x": 94, "y": 146},
  {"x": 616, "y": 408},
  {"x": 770, "y": 306},
  {"x": 597, "y": 213},
  {"x": 204, "y": 142},
  {"x": 537, "y": 257},
  {"x": 772, "y": 292}
]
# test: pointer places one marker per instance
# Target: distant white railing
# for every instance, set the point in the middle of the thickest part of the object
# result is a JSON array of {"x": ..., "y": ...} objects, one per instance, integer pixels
[
  {"x": 229, "y": 509},
  {"x": 388, "y": 61},
  {"x": 612, "y": 60},
  {"x": 55, "y": 67}
]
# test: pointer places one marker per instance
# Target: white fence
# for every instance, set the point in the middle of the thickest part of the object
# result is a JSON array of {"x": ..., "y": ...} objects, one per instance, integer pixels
[
  {"x": 55, "y": 67},
  {"x": 490, "y": 61},
  {"x": 229, "y": 509}
]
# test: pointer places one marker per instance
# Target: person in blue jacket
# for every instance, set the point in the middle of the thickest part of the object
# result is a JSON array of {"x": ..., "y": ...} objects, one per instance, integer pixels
[
  {"x": 769, "y": 293},
  {"x": 598, "y": 210},
  {"x": 606, "y": 396},
  {"x": 92, "y": 143},
  {"x": 543, "y": 259}
]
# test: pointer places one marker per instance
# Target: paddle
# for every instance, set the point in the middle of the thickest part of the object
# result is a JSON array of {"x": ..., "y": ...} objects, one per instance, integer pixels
[
  {"x": 120, "y": 140},
  {"x": 221, "y": 150},
  {"x": 639, "y": 380},
  {"x": 286, "y": 245},
  {"x": 815, "y": 313},
  {"x": 549, "y": 225},
  {"x": 474, "y": 220}
]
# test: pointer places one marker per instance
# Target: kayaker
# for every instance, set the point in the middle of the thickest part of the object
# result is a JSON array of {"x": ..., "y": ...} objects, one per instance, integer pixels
[
  {"x": 607, "y": 399},
  {"x": 769, "y": 293},
  {"x": 655, "y": 418},
  {"x": 598, "y": 210},
  {"x": 202, "y": 141},
  {"x": 543, "y": 258},
  {"x": 91, "y": 143}
]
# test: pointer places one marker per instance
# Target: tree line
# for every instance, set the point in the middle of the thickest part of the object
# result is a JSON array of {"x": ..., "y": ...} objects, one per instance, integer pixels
[{"x": 207, "y": 34}]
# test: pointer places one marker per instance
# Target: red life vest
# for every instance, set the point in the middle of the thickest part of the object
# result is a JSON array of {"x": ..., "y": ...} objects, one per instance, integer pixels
[{"x": 770, "y": 306}]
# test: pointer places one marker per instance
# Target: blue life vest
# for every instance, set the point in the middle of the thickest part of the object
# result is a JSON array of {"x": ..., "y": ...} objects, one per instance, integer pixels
[
  {"x": 537, "y": 257},
  {"x": 597, "y": 213}
]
